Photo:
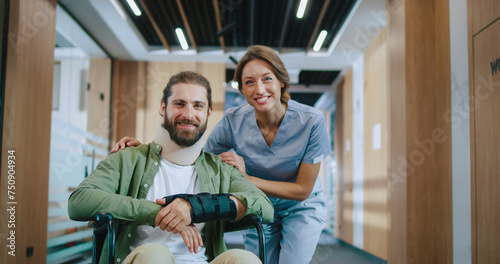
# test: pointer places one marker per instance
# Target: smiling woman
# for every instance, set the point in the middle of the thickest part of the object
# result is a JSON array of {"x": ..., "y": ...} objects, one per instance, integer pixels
[{"x": 278, "y": 145}]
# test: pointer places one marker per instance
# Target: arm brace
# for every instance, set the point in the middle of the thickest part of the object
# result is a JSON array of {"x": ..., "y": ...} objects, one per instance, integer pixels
[{"x": 206, "y": 207}]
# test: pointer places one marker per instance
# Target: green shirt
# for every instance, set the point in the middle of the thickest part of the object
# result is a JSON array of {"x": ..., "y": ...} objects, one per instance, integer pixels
[{"x": 120, "y": 183}]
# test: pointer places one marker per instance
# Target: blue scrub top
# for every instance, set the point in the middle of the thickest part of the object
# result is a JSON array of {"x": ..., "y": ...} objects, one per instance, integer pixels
[{"x": 301, "y": 137}]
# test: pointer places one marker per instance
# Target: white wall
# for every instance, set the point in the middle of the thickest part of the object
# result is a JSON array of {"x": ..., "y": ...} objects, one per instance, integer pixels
[
  {"x": 358, "y": 150},
  {"x": 459, "y": 118}
]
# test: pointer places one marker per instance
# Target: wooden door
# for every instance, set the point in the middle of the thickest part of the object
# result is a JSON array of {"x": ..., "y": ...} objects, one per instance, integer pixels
[{"x": 485, "y": 107}]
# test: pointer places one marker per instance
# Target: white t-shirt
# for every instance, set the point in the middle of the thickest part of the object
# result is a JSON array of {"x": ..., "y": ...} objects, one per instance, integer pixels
[{"x": 171, "y": 179}]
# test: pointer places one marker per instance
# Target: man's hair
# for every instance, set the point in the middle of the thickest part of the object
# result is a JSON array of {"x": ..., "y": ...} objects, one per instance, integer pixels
[
  {"x": 259, "y": 52},
  {"x": 187, "y": 77}
]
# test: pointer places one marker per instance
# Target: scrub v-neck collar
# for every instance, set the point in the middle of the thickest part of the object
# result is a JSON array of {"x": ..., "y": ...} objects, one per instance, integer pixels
[{"x": 278, "y": 138}]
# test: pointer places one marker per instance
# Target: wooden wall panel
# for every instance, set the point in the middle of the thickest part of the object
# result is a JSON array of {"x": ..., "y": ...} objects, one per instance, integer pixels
[
  {"x": 375, "y": 157},
  {"x": 397, "y": 184},
  {"x": 128, "y": 95},
  {"x": 486, "y": 143},
  {"x": 483, "y": 12},
  {"x": 419, "y": 45},
  {"x": 347, "y": 223},
  {"x": 99, "y": 97},
  {"x": 26, "y": 129},
  {"x": 428, "y": 134}
]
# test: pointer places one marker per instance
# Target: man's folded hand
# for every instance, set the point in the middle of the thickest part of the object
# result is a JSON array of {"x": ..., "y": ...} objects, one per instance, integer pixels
[{"x": 175, "y": 216}]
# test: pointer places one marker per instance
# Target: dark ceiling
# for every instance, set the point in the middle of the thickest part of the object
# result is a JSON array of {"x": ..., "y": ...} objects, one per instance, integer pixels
[
  {"x": 225, "y": 24},
  {"x": 306, "y": 77},
  {"x": 233, "y": 25}
]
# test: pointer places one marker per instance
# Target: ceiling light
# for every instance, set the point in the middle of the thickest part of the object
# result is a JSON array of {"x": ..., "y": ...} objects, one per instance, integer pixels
[
  {"x": 134, "y": 7},
  {"x": 319, "y": 41},
  {"x": 302, "y": 8},
  {"x": 234, "y": 85},
  {"x": 182, "y": 39},
  {"x": 233, "y": 60}
]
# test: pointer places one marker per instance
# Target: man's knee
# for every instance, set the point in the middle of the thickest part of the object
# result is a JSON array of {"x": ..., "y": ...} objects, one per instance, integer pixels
[
  {"x": 150, "y": 253},
  {"x": 236, "y": 256}
]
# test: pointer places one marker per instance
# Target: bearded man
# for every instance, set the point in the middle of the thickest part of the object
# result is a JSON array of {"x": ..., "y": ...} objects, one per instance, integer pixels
[{"x": 167, "y": 193}]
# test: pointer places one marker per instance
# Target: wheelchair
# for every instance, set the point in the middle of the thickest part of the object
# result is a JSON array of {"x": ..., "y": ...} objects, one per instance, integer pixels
[{"x": 104, "y": 226}]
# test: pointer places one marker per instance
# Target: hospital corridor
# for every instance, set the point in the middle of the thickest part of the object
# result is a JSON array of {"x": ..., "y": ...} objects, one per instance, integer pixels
[{"x": 267, "y": 131}]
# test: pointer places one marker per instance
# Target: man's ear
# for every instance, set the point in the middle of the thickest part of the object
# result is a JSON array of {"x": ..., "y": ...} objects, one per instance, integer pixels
[
  {"x": 209, "y": 112},
  {"x": 162, "y": 108}
]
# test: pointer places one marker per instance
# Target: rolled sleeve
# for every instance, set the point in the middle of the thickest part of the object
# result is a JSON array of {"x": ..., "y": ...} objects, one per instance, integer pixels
[{"x": 318, "y": 146}]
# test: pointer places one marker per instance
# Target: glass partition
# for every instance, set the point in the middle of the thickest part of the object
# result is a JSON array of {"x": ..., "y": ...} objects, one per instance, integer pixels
[{"x": 77, "y": 144}]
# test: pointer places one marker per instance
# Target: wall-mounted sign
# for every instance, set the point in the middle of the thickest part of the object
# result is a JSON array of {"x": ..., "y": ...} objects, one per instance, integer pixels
[{"x": 495, "y": 66}]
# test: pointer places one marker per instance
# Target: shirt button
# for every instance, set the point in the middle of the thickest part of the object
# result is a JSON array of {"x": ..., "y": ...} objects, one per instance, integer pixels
[
  {"x": 118, "y": 260},
  {"x": 129, "y": 235},
  {"x": 146, "y": 185},
  {"x": 156, "y": 163},
  {"x": 157, "y": 146}
]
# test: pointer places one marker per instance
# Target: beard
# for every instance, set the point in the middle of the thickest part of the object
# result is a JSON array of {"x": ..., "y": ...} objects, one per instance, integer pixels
[{"x": 184, "y": 138}]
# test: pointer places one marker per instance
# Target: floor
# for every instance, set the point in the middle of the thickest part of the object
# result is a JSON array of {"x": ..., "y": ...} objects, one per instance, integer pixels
[
  {"x": 328, "y": 251},
  {"x": 342, "y": 254}
]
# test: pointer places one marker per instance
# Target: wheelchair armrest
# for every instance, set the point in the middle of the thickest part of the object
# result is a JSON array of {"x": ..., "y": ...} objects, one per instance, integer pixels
[
  {"x": 100, "y": 222},
  {"x": 248, "y": 221},
  {"x": 103, "y": 228}
]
